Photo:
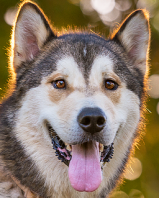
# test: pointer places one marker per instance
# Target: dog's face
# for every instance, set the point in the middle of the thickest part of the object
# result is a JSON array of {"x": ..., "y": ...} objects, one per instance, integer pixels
[
  {"x": 81, "y": 92},
  {"x": 82, "y": 105}
]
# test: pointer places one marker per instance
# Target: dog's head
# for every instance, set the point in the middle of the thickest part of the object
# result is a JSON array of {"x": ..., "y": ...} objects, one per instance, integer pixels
[{"x": 81, "y": 92}]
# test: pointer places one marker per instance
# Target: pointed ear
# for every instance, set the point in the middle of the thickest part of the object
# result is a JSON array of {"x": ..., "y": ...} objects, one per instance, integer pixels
[
  {"x": 30, "y": 33},
  {"x": 134, "y": 36}
]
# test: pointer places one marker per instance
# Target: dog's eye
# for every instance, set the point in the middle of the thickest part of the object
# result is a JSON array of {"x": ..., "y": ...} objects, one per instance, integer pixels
[
  {"x": 111, "y": 85},
  {"x": 59, "y": 84}
]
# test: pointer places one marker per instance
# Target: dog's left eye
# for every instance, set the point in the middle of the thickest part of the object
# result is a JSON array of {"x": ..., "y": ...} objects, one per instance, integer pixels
[
  {"x": 59, "y": 84},
  {"x": 111, "y": 85}
]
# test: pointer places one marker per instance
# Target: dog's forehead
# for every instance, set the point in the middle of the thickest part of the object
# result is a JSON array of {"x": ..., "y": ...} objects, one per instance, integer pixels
[
  {"x": 85, "y": 52},
  {"x": 84, "y": 48},
  {"x": 67, "y": 66}
]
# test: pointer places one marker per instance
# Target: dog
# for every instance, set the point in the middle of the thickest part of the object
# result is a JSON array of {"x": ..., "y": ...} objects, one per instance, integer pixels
[{"x": 74, "y": 113}]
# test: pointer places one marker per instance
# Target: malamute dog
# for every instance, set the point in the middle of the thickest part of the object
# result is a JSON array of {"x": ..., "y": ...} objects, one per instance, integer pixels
[{"x": 72, "y": 118}]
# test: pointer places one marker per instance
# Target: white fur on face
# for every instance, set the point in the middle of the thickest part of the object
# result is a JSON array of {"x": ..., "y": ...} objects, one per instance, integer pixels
[
  {"x": 102, "y": 68},
  {"x": 85, "y": 51},
  {"x": 69, "y": 69}
]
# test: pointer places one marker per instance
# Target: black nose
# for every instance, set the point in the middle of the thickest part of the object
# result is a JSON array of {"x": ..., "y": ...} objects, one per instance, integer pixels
[{"x": 92, "y": 120}]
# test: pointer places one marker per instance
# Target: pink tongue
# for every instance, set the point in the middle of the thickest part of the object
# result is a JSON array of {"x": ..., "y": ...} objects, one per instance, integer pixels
[{"x": 84, "y": 168}]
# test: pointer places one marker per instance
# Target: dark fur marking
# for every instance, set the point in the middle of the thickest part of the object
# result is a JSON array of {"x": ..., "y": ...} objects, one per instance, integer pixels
[{"x": 13, "y": 154}]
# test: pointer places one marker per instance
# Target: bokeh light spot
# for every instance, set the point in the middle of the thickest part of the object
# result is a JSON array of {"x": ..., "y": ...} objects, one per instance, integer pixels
[
  {"x": 154, "y": 86},
  {"x": 134, "y": 171},
  {"x": 111, "y": 16},
  {"x": 149, "y": 5},
  {"x": 155, "y": 21},
  {"x": 123, "y": 5},
  {"x": 103, "y": 6},
  {"x": 158, "y": 108},
  {"x": 10, "y": 15},
  {"x": 134, "y": 193},
  {"x": 86, "y": 7},
  {"x": 75, "y": 2},
  {"x": 119, "y": 194}
]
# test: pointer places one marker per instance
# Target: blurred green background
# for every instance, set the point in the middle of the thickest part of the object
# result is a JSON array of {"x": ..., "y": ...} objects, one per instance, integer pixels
[{"x": 102, "y": 16}]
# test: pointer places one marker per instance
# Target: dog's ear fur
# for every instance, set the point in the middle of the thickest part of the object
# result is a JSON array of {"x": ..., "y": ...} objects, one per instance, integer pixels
[
  {"x": 134, "y": 36},
  {"x": 30, "y": 33}
]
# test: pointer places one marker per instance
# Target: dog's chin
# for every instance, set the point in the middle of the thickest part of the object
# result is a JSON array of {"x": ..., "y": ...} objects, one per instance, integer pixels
[{"x": 85, "y": 160}]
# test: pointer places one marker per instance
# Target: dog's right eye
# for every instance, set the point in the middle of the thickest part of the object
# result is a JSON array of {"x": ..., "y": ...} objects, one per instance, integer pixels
[
  {"x": 59, "y": 84},
  {"x": 111, "y": 85}
]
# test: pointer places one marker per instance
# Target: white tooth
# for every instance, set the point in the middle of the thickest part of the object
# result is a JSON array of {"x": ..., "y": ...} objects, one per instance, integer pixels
[
  {"x": 101, "y": 147},
  {"x": 68, "y": 147},
  {"x": 102, "y": 165}
]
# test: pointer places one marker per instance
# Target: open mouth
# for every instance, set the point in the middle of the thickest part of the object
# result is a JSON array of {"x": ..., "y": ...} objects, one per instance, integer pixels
[
  {"x": 63, "y": 151},
  {"x": 85, "y": 161}
]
